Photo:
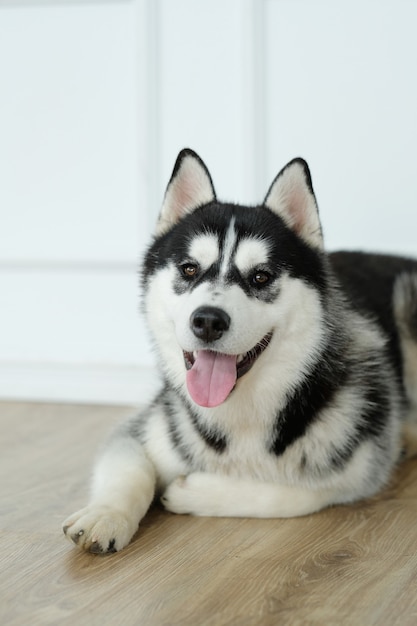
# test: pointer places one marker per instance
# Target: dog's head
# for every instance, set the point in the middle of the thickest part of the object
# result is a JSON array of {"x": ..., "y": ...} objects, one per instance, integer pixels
[{"x": 224, "y": 282}]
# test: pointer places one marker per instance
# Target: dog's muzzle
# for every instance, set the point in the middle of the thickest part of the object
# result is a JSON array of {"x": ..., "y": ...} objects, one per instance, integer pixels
[{"x": 212, "y": 375}]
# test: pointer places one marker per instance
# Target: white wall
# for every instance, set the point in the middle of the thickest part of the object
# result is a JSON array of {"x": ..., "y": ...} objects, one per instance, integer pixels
[
  {"x": 341, "y": 89},
  {"x": 96, "y": 99},
  {"x": 74, "y": 197}
]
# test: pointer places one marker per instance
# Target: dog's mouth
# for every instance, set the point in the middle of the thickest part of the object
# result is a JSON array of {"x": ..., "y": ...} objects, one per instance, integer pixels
[{"x": 212, "y": 376}]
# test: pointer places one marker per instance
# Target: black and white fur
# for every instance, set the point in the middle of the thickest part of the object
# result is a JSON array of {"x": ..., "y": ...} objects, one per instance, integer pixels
[{"x": 329, "y": 343}]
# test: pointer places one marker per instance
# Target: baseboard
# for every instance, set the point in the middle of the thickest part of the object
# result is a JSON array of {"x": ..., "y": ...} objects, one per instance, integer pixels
[{"x": 98, "y": 384}]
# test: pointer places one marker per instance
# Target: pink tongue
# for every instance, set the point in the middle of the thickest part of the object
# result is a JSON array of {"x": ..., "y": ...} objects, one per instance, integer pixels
[{"x": 212, "y": 377}]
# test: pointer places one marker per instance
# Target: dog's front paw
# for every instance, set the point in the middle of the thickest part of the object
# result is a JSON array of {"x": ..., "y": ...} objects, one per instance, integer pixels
[
  {"x": 99, "y": 529},
  {"x": 195, "y": 494}
]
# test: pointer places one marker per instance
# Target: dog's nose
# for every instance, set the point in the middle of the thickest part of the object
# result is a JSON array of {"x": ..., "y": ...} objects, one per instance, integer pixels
[{"x": 209, "y": 323}]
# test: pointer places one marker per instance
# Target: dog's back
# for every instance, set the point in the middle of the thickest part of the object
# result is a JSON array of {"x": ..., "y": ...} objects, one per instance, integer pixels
[{"x": 385, "y": 287}]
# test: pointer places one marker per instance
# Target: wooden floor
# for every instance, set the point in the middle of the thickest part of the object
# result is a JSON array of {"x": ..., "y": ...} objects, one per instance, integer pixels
[{"x": 348, "y": 565}]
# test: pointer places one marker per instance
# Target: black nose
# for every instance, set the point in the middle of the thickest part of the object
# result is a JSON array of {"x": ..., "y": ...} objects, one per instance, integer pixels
[{"x": 209, "y": 323}]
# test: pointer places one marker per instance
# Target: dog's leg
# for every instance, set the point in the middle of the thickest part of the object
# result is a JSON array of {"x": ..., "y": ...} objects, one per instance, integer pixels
[
  {"x": 122, "y": 491},
  {"x": 214, "y": 495}
]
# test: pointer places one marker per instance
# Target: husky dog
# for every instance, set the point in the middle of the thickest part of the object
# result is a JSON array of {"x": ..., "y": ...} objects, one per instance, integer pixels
[{"x": 289, "y": 374}]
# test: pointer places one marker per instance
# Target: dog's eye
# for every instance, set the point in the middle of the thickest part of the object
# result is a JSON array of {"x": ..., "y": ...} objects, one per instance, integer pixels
[
  {"x": 189, "y": 270},
  {"x": 260, "y": 278}
]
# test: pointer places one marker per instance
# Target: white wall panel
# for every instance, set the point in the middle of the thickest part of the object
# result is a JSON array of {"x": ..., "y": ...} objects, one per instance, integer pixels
[
  {"x": 341, "y": 90},
  {"x": 205, "y": 96},
  {"x": 71, "y": 316},
  {"x": 72, "y": 115},
  {"x": 74, "y": 199}
]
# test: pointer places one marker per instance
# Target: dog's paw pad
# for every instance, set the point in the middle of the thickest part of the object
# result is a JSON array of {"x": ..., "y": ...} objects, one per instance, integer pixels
[{"x": 99, "y": 529}]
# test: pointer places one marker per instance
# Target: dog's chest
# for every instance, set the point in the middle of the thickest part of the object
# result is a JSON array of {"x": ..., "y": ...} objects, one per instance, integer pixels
[
  {"x": 248, "y": 459},
  {"x": 247, "y": 453}
]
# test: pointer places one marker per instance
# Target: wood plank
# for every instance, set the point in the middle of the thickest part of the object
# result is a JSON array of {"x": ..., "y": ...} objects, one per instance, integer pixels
[{"x": 346, "y": 565}]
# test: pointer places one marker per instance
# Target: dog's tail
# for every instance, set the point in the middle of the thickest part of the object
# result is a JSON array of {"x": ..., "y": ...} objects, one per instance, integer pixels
[
  {"x": 405, "y": 312},
  {"x": 405, "y": 304},
  {"x": 409, "y": 440}
]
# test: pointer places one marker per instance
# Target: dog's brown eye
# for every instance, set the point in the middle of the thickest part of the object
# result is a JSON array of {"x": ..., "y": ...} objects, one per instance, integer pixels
[
  {"x": 189, "y": 270},
  {"x": 260, "y": 278}
]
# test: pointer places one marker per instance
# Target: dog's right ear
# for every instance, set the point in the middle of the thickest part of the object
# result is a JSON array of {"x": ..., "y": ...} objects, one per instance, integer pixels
[{"x": 190, "y": 187}]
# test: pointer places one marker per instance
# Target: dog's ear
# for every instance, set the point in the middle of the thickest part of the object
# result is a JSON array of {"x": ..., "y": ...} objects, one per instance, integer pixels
[
  {"x": 291, "y": 196},
  {"x": 190, "y": 187}
]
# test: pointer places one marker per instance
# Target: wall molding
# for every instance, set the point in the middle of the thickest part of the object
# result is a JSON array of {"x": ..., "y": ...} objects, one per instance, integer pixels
[
  {"x": 79, "y": 384},
  {"x": 57, "y": 3},
  {"x": 256, "y": 114},
  {"x": 75, "y": 265}
]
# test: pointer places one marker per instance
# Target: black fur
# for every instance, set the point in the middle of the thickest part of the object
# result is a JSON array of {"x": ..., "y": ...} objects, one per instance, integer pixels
[
  {"x": 211, "y": 437},
  {"x": 368, "y": 281},
  {"x": 313, "y": 394}
]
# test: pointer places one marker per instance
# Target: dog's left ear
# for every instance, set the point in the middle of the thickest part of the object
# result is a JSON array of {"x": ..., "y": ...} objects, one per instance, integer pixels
[
  {"x": 190, "y": 187},
  {"x": 291, "y": 196}
]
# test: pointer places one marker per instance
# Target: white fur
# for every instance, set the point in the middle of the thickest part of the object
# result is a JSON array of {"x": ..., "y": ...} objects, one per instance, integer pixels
[
  {"x": 228, "y": 246},
  {"x": 122, "y": 491},
  {"x": 224, "y": 496},
  {"x": 205, "y": 248},
  {"x": 251, "y": 254}
]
